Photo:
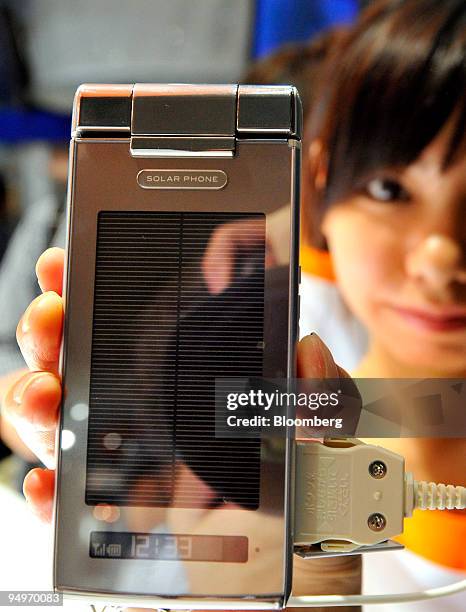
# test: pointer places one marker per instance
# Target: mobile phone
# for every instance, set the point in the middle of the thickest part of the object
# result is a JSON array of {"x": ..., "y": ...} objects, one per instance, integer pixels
[{"x": 170, "y": 184}]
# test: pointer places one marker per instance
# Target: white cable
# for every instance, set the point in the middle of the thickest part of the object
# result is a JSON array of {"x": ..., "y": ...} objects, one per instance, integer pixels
[
  {"x": 432, "y": 496},
  {"x": 379, "y": 495},
  {"x": 358, "y": 600}
]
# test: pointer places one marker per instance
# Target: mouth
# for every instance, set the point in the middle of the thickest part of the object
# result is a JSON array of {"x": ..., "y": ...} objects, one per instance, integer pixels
[{"x": 439, "y": 320}]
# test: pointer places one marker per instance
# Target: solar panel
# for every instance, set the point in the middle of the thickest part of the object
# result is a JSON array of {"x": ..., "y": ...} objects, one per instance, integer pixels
[{"x": 159, "y": 341}]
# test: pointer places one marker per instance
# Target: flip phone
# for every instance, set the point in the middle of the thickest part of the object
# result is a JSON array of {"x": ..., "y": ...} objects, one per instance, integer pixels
[{"x": 171, "y": 281}]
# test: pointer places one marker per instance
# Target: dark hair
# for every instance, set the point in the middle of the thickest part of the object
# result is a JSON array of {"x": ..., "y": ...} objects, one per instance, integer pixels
[
  {"x": 390, "y": 86},
  {"x": 297, "y": 64},
  {"x": 301, "y": 65}
]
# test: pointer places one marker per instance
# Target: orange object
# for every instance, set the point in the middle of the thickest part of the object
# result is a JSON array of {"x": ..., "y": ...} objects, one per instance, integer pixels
[
  {"x": 316, "y": 262},
  {"x": 439, "y": 536}
]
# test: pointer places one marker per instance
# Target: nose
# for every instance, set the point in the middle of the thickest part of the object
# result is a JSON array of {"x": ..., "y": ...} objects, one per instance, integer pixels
[{"x": 437, "y": 261}]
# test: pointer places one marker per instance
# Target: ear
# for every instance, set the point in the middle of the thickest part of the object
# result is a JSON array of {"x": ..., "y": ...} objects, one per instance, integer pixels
[
  {"x": 318, "y": 170},
  {"x": 323, "y": 228},
  {"x": 317, "y": 165}
]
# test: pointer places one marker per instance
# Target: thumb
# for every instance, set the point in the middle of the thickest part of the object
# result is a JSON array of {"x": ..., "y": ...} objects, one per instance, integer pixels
[{"x": 316, "y": 361}]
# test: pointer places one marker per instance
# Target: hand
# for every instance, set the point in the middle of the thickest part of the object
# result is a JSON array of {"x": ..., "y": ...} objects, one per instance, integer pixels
[
  {"x": 228, "y": 240},
  {"x": 31, "y": 403}
]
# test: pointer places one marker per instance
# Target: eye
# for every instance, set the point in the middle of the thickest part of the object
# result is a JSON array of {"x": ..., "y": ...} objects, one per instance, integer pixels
[{"x": 386, "y": 190}]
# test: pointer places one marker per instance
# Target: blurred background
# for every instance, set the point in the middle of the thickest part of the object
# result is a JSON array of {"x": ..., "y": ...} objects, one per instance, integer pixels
[{"x": 47, "y": 49}]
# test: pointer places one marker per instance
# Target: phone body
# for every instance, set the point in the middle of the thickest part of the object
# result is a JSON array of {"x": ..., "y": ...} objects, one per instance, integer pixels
[{"x": 170, "y": 185}]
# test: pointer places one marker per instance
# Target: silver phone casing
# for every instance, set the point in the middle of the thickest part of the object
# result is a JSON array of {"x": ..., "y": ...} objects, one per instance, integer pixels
[{"x": 262, "y": 177}]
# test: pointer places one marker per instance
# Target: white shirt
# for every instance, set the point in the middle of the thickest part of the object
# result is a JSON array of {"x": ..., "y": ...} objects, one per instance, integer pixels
[{"x": 323, "y": 311}]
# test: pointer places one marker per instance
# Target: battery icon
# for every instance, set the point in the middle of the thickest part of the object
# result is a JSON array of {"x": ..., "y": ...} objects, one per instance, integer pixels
[{"x": 114, "y": 550}]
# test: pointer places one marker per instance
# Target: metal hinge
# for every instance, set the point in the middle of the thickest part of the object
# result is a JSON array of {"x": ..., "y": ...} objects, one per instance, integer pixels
[{"x": 187, "y": 120}]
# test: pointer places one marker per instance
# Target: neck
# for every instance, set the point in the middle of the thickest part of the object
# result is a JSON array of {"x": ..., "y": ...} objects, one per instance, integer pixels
[{"x": 378, "y": 363}]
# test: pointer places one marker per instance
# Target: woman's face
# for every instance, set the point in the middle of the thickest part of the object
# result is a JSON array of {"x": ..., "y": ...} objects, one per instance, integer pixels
[{"x": 399, "y": 249}]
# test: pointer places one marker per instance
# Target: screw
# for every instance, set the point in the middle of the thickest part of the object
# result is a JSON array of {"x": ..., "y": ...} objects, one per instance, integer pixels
[
  {"x": 377, "y": 469},
  {"x": 376, "y": 521}
]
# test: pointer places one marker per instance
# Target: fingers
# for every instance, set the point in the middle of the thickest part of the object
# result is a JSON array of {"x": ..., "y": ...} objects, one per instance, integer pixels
[
  {"x": 31, "y": 405},
  {"x": 40, "y": 329},
  {"x": 39, "y": 332},
  {"x": 38, "y": 489},
  {"x": 219, "y": 259},
  {"x": 49, "y": 270},
  {"x": 34, "y": 399},
  {"x": 316, "y": 361}
]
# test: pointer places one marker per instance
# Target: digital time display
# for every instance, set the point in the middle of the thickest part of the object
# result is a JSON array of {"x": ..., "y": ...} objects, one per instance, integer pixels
[{"x": 168, "y": 547}]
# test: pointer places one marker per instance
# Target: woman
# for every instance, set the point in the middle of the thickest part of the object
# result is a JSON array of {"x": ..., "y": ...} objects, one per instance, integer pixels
[
  {"x": 383, "y": 259},
  {"x": 386, "y": 183},
  {"x": 386, "y": 167}
]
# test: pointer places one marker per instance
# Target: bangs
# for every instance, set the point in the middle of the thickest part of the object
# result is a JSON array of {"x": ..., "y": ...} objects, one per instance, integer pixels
[{"x": 399, "y": 80}]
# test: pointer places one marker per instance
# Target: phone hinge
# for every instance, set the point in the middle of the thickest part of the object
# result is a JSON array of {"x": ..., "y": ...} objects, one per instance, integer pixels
[
  {"x": 182, "y": 146},
  {"x": 186, "y": 120}
]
